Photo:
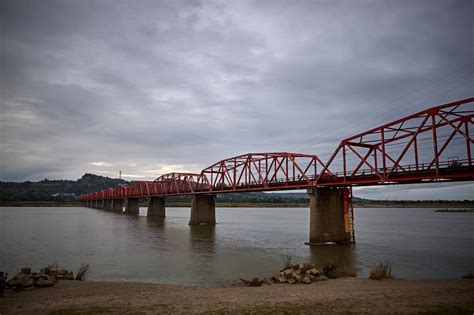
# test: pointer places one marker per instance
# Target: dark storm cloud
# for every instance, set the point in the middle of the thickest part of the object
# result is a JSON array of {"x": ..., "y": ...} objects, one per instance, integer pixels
[{"x": 153, "y": 86}]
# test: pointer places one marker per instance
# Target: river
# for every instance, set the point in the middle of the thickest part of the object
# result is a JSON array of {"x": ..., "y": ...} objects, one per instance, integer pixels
[{"x": 246, "y": 242}]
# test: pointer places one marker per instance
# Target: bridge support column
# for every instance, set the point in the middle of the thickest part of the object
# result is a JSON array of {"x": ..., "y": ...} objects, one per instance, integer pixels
[
  {"x": 108, "y": 204},
  {"x": 156, "y": 207},
  {"x": 117, "y": 205},
  {"x": 203, "y": 210},
  {"x": 102, "y": 204},
  {"x": 329, "y": 218},
  {"x": 132, "y": 206}
]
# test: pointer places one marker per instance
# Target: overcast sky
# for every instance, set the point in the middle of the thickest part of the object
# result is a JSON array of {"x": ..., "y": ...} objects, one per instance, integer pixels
[{"x": 149, "y": 87}]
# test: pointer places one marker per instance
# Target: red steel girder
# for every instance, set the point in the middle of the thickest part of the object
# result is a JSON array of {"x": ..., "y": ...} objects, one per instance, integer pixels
[{"x": 416, "y": 148}]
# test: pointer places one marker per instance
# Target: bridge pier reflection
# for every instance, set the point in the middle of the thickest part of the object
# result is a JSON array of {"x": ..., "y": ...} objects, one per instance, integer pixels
[{"x": 343, "y": 256}]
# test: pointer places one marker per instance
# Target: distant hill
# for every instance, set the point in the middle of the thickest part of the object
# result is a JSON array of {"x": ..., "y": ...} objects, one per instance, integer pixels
[
  {"x": 50, "y": 190},
  {"x": 68, "y": 190}
]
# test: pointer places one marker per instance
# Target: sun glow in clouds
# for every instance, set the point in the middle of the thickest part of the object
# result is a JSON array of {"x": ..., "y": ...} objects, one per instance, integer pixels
[{"x": 100, "y": 163}]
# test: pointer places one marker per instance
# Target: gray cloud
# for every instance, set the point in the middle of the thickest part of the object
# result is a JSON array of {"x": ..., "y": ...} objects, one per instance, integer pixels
[{"x": 157, "y": 85}]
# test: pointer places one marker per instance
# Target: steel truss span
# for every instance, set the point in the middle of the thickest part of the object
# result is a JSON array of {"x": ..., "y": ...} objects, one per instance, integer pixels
[{"x": 432, "y": 145}]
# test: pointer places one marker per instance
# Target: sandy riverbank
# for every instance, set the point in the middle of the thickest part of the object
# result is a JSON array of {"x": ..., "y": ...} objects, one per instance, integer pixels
[{"x": 334, "y": 296}]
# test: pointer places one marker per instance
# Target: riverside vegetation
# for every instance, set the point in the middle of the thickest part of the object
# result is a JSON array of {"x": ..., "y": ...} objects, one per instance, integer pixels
[{"x": 64, "y": 193}]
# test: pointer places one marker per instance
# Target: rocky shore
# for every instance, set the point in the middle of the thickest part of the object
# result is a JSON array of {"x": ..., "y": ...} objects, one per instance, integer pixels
[
  {"x": 296, "y": 273},
  {"x": 48, "y": 276}
]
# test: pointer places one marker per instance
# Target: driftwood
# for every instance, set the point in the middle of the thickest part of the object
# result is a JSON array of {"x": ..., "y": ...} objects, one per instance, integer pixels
[{"x": 255, "y": 282}]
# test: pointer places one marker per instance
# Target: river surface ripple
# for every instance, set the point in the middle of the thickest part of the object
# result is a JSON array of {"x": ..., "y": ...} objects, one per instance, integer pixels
[{"x": 246, "y": 242}]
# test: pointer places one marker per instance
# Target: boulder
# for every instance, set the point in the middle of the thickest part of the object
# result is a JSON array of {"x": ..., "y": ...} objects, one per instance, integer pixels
[
  {"x": 314, "y": 272},
  {"x": 291, "y": 281},
  {"x": 45, "y": 270},
  {"x": 321, "y": 278},
  {"x": 25, "y": 271},
  {"x": 20, "y": 276},
  {"x": 40, "y": 282},
  {"x": 69, "y": 275},
  {"x": 298, "y": 278},
  {"x": 306, "y": 280},
  {"x": 287, "y": 273},
  {"x": 49, "y": 281},
  {"x": 281, "y": 280},
  {"x": 27, "y": 282},
  {"x": 13, "y": 282}
]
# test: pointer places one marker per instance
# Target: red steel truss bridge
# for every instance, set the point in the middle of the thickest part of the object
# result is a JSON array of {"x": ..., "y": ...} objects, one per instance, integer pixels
[{"x": 430, "y": 146}]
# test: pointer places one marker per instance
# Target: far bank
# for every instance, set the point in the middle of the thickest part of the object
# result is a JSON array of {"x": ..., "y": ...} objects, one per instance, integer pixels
[{"x": 174, "y": 204}]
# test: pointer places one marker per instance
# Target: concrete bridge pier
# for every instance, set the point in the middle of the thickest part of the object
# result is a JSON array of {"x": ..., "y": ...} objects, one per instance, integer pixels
[
  {"x": 117, "y": 205},
  {"x": 156, "y": 207},
  {"x": 132, "y": 206},
  {"x": 328, "y": 218},
  {"x": 102, "y": 204},
  {"x": 96, "y": 204},
  {"x": 203, "y": 210}
]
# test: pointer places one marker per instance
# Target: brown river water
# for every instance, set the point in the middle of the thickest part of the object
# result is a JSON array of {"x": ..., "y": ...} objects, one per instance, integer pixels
[{"x": 246, "y": 242}]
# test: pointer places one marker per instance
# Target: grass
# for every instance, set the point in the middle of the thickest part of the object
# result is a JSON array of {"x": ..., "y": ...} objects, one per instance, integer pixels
[
  {"x": 287, "y": 262},
  {"x": 381, "y": 271},
  {"x": 469, "y": 275},
  {"x": 54, "y": 265},
  {"x": 83, "y": 272}
]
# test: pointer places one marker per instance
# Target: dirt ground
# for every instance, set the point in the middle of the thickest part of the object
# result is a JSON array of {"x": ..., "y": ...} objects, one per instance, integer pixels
[{"x": 348, "y": 295}]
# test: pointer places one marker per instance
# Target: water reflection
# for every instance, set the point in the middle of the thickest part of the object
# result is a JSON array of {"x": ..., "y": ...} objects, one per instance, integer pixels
[
  {"x": 246, "y": 243},
  {"x": 155, "y": 223},
  {"x": 202, "y": 245},
  {"x": 343, "y": 256},
  {"x": 202, "y": 238}
]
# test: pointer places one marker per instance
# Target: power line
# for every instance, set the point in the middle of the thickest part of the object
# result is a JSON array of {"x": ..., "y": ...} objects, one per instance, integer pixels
[{"x": 430, "y": 84}]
